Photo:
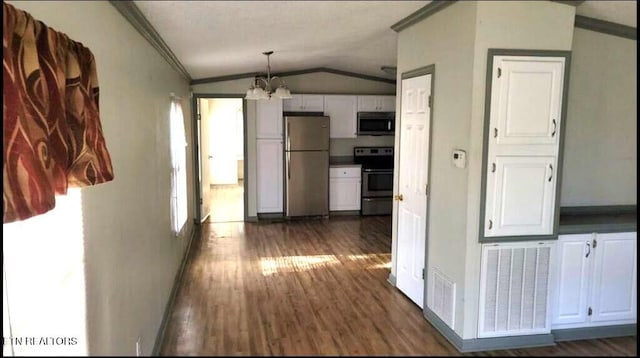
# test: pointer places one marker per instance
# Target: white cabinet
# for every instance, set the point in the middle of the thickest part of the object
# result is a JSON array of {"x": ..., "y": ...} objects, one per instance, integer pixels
[
  {"x": 526, "y": 99},
  {"x": 269, "y": 175},
  {"x": 342, "y": 111},
  {"x": 344, "y": 188},
  {"x": 304, "y": 103},
  {"x": 520, "y": 195},
  {"x": 596, "y": 280},
  {"x": 376, "y": 103},
  {"x": 523, "y": 145},
  {"x": 269, "y": 119}
]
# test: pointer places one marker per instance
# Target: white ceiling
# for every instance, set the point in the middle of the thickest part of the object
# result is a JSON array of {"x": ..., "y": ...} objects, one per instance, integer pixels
[{"x": 220, "y": 38}]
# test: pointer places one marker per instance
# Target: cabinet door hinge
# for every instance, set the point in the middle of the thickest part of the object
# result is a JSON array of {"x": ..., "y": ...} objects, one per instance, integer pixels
[
  {"x": 589, "y": 312},
  {"x": 200, "y": 201},
  {"x": 423, "y": 273},
  {"x": 430, "y": 101},
  {"x": 595, "y": 243},
  {"x": 499, "y": 72},
  {"x": 199, "y": 117},
  {"x": 426, "y": 189}
]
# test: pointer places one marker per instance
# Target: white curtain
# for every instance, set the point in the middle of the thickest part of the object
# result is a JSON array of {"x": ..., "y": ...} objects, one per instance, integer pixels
[{"x": 178, "y": 167}]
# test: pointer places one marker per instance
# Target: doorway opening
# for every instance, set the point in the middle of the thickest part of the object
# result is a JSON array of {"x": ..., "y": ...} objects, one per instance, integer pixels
[{"x": 221, "y": 133}]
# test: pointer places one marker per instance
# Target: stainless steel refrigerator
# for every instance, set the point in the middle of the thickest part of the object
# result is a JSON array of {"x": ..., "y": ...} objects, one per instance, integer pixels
[{"x": 306, "y": 166}]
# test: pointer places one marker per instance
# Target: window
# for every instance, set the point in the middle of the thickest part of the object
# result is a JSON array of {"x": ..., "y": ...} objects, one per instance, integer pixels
[{"x": 178, "y": 167}]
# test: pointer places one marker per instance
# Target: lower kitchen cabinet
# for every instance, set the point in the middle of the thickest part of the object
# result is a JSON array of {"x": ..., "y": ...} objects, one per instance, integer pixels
[
  {"x": 269, "y": 175},
  {"x": 344, "y": 188},
  {"x": 596, "y": 280}
]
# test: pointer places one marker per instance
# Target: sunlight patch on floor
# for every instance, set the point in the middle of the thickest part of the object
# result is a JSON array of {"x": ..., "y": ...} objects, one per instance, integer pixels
[{"x": 273, "y": 265}]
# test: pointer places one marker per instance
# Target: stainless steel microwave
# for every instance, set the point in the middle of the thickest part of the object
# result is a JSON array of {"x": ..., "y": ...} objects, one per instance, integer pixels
[{"x": 376, "y": 123}]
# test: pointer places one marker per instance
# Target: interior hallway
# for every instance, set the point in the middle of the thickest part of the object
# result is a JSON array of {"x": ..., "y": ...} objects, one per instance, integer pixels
[
  {"x": 227, "y": 202},
  {"x": 313, "y": 287}
]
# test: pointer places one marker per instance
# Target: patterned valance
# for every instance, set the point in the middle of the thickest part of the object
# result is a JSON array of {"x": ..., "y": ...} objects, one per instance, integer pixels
[{"x": 52, "y": 131}]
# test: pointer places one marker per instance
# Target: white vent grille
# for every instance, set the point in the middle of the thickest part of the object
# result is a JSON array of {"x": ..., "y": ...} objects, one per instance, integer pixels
[
  {"x": 514, "y": 289},
  {"x": 443, "y": 297}
]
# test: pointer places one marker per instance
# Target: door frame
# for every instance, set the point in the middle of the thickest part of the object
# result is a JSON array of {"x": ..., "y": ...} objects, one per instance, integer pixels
[
  {"x": 197, "y": 158},
  {"x": 421, "y": 71},
  {"x": 491, "y": 53}
]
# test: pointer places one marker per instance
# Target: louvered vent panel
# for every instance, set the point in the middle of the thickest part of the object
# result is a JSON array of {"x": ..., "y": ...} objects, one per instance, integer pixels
[
  {"x": 442, "y": 297},
  {"x": 514, "y": 289}
]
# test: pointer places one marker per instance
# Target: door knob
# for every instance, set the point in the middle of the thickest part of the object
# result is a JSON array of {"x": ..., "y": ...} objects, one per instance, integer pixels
[{"x": 399, "y": 197}]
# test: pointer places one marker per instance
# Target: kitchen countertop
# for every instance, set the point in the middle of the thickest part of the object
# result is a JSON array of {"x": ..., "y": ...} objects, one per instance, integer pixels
[
  {"x": 342, "y": 161},
  {"x": 576, "y": 220}
]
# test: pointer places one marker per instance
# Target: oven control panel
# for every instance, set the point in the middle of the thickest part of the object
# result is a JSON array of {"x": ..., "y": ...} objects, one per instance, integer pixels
[{"x": 372, "y": 151}]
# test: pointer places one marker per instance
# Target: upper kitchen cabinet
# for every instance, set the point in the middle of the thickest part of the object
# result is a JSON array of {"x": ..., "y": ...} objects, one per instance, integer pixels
[
  {"x": 342, "y": 111},
  {"x": 269, "y": 119},
  {"x": 376, "y": 103},
  {"x": 526, "y": 99},
  {"x": 523, "y": 138},
  {"x": 304, "y": 103}
]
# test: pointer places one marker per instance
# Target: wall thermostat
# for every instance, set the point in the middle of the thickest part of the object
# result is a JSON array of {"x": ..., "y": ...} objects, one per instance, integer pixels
[{"x": 459, "y": 158}]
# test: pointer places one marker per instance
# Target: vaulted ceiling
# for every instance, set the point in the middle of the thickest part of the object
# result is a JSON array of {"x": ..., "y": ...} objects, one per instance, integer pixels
[{"x": 221, "y": 38}]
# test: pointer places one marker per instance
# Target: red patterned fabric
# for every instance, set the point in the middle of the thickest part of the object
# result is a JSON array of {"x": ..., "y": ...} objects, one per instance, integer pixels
[{"x": 51, "y": 123}]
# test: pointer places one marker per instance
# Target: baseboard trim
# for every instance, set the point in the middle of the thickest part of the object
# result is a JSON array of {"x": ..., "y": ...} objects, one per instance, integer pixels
[
  {"x": 270, "y": 216},
  {"x": 574, "y": 334},
  {"x": 252, "y": 219},
  {"x": 344, "y": 213},
  {"x": 174, "y": 291},
  {"x": 391, "y": 279},
  {"x": 487, "y": 344}
]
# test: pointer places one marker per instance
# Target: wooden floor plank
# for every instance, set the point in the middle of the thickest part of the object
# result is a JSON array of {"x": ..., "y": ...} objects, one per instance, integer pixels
[{"x": 312, "y": 287}]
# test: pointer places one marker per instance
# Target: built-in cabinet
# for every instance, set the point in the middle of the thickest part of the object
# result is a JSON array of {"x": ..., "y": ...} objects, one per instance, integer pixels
[
  {"x": 342, "y": 111},
  {"x": 304, "y": 103},
  {"x": 344, "y": 188},
  {"x": 523, "y": 145},
  {"x": 595, "y": 280},
  {"x": 373, "y": 103},
  {"x": 269, "y": 175},
  {"x": 269, "y": 145},
  {"x": 269, "y": 119}
]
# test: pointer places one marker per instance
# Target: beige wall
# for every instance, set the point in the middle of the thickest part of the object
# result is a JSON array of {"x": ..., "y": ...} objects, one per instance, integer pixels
[
  {"x": 456, "y": 40},
  {"x": 600, "y": 152},
  {"x": 445, "y": 39},
  {"x": 321, "y": 82},
  {"x": 131, "y": 255},
  {"x": 537, "y": 25}
]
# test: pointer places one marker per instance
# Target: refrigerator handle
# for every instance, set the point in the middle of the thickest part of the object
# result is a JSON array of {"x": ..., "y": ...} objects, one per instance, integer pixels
[
  {"x": 289, "y": 165},
  {"x": 287, "y": 134}
]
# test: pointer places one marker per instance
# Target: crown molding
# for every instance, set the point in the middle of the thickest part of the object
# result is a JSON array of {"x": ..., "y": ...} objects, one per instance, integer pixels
[
  {"x": 606, "y": 27},
  {"x": 136, "y": 18},
  {"x": 292, "y": 73},
  {"x": 421, "y": 14}
]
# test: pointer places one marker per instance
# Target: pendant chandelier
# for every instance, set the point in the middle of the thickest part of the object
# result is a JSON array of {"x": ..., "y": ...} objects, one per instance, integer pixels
[{"x": 261, "y": 87}]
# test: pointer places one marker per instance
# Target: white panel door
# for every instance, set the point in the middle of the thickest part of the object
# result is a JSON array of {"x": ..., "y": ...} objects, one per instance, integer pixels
[
  {"x": 412, "y": 179},
  {"x": 526, "y": 99},
  {"x": 520, "y": 196},
  {"x": 572, "y": 277},
  {"x": 342, "y": 111},
  {"x": 615, "y": 278},
  {"x": 387, "y": 103},
  {"x": 269, "y": 175},
  {"x": 205, "y": 159},
  {"x": 269, "y": 119},
  {"x": 313, "y": 102}
]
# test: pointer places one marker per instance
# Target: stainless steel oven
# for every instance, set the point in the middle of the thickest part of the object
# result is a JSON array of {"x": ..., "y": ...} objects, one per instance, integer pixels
[
  {"x": 377, "y": 182},
  {"x": 377, "y": 179}
]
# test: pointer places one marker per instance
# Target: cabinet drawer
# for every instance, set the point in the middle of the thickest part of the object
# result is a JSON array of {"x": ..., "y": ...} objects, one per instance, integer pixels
[{"x": 344, "y": 172}]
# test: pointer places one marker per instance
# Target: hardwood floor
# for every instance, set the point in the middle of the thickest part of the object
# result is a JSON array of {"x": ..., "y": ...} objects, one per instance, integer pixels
[
  {"x": 227, "y": 203},
  {"x": 312, "y": 287}
]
